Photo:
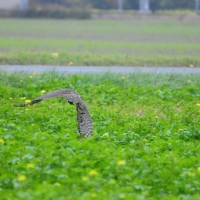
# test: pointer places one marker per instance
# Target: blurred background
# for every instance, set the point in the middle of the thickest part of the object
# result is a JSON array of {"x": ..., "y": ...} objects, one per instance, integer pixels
[
  {"x": 88, "y": 8},
  {"x": 113, "y": 32}
]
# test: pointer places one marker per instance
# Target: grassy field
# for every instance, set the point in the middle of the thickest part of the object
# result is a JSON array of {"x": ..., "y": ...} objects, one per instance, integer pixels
[
  {"x": 100, "y": 42},
  {"x": 146, "y": 142}
]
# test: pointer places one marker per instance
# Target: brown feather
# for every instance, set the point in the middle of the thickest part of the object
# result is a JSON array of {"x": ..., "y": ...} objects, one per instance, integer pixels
[{"x": 83, "y": 118}]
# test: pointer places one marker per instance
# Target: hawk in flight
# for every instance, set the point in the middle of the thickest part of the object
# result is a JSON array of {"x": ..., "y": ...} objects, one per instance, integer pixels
[{"x": 83, "y": 117}]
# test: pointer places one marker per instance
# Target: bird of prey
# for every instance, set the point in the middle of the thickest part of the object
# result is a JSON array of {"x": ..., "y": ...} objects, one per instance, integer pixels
[{"x": 84, "y": 120}]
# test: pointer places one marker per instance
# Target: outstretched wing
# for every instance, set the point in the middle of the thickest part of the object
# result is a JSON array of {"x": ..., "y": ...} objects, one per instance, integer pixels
[
  {"x": 71, "y": 95},
  {"x": 83, "y": 117}
]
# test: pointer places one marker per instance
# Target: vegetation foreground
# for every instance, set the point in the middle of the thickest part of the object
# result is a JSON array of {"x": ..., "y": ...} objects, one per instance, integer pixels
[{"x": 145, "y": 143}]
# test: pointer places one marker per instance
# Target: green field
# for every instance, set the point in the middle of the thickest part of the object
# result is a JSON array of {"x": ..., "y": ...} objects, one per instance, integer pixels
[
  {"x": 146, "y": 142},
  {"x": 100, "y": 42}
]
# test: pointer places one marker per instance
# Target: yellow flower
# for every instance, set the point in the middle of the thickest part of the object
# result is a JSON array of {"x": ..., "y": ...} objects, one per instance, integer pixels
[
  {"x": 93, "y": 194},
  {"x": 112, "y": 181},
  {"x": 156, "y": 117},
  {"x": 26, "y": 109},
  {"x": 27, "y": 101},
  {"x": 198, "y": 104},
  {"x": 105, "y": 135},
  {"x": 55, "y": 55},
  {"x": 57, "y": 184},
  {"x": 122, "y": 196},
  {"x": 93, "y": 172},
  {"x": 30, "y": 166},
  {"x": 1, "y": 141},
  {"x": 191, "y": 65},
  {"x": 43, "y": 91},
  {"x": 30, "y": 77},
  {"x": 23, "y": 98},
  {"x": 123, "y": 77},
  {"x": 70, "y": 63},
  {"x": 121, "y": 162},
  {"x": 10, "y": 98},
  {"x": 198, "y": 169},
  {"x": 191, "y": 174},
  {"x": 21, "y": 178},
  {"x": 145, "y": 193},
  {"x": 85, "y": 178}
]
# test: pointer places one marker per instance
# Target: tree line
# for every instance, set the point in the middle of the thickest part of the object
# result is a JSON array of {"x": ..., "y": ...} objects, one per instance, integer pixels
[
  {"x": 82, "y": 9},
  {"x": 127, "y": 4}
]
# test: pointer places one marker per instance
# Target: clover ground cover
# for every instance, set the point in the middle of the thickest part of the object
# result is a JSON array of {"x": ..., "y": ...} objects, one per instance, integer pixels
[{"x": 145, "y": 143}]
